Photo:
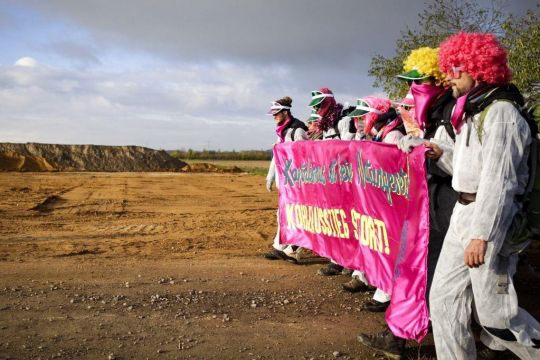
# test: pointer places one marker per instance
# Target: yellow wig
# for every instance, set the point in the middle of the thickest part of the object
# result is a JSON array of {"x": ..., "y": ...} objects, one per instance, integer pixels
[{"x": 424, "y": 60}]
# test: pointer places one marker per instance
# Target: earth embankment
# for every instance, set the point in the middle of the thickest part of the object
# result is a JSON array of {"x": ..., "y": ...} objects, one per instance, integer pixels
[{"x": 54, "y": 157}]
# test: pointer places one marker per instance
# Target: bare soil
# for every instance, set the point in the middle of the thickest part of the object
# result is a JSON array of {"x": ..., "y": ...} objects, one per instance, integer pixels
[{"x": 166, "y": 266}]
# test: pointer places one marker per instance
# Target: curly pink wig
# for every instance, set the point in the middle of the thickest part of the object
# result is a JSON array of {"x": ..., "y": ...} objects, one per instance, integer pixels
[
  {"x": 380, "y": 104},
  {"x": 480, "y": 55}
]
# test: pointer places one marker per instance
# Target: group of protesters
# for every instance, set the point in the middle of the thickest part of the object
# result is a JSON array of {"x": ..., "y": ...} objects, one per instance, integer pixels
[{"x": 462, "y": 107}]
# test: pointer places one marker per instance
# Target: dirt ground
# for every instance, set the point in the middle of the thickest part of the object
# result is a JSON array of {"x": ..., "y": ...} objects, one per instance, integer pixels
[{"x": 166, "y": 266}]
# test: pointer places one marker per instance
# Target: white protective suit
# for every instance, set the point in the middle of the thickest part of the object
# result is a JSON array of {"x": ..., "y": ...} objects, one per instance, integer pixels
[
  {"x": 299, "y": 134},
  {"x": 494, "y": 169},
  {"x": 391, "y": 138},
  {"x": 343, "y": 126}
]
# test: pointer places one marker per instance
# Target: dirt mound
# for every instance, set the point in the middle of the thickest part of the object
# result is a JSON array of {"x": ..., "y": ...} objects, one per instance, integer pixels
[
  {"x": 47, "y": 204},
  {"x": 12, "y": 161},
  {"x": 51, "y": 157},
  {"x": 206, "y": 167}
]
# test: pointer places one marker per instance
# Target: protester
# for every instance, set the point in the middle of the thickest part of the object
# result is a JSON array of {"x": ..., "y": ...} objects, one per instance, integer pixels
[
  {"x": 333, "y": 123},
  {"x": 489, "y": 166},
  {"x": 334, "y": 126},
  {"x": 314, "y": 130},
  {"x": 288, "y": 129},
  {"x": 433, "y": 102},
  {"x": 375, "y": 120},
  {"x": 405, "y": 109}
]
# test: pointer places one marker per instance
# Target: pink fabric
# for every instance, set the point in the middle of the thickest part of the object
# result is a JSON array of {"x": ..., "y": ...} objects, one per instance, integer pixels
[
  {"x": 457, "y": 114},
  {"x": 329, "y": 216},
  {"x": 329, "y": 111},
  {"x": 327, "y": 104},
  {"x": 393, "y": 124},
  {"x": 411, "y": 125},
  {"x": 371, "y": 118},
  {"x": 283, "y": 126},
  {"x": 424, "y": 95}
]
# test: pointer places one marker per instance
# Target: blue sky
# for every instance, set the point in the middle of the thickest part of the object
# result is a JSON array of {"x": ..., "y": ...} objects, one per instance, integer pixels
[{"x": 183, "y": 74}]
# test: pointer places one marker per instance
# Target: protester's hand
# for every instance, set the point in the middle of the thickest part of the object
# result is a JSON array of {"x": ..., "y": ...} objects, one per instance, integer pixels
[
  {"x": 475, "y": 253},
  {"x": 408, "y": 142},
  {"x": 434, "y": 151},
  {"x": 269, "y": 183}
]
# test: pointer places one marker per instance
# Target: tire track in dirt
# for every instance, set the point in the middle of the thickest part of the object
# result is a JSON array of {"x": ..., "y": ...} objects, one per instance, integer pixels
[{"x": 135, "y": 229}]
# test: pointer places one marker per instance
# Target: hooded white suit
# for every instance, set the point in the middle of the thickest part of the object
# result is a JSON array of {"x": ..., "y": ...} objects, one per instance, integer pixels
[{"x": 494, "y": 169}]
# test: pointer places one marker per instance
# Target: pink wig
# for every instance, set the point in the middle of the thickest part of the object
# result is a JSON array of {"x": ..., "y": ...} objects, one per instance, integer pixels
[
  {"x": 379, "y": 104},
  {"x": 480, "y": 55}
]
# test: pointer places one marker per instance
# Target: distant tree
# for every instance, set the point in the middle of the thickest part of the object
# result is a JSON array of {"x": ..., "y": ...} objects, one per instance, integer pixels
[
  {"x": 222, "y": 155},
  {"x": 522, "y": 39},
  {"x": 439, "y": 20}
]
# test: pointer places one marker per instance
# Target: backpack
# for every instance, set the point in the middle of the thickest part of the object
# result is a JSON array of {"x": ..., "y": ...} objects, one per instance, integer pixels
[
  {"x": 296, "y": 124},
  {"x": 533, "y": 205},
  {"x": 526, "y": 223}
]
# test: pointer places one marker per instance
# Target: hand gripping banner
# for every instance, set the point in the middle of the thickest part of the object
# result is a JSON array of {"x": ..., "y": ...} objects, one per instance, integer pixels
[{"x": 365, "y": 206}]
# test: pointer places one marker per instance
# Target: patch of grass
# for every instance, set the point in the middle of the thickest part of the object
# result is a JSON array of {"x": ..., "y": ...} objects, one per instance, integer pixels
[
  {"x": 256, "y": 167},
  {"x": 255, "y": 170}
]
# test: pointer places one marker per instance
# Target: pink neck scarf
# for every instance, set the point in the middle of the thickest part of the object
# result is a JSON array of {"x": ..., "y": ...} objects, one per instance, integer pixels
[
  {"x": 457, "y": 114},
  {"x": 391, "y": 126},
  {"x": 280, "y": 129},
  {"x": 424, "y": 95}
]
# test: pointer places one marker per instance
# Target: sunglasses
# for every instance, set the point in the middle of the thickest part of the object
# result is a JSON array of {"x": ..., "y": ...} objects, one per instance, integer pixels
[{"x": 455, "y": 73}]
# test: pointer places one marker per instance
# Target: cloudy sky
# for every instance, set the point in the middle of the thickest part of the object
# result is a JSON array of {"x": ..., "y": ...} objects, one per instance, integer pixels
[{"x": 183, "y": 74}]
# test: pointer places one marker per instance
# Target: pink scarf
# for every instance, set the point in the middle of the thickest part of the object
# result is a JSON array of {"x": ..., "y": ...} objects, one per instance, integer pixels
[
  {"x": 424, "y": 95},
  {"x": 280, "y": 129},
  {"x": 330, "y": 111},
  {"x": 457, "y": 114},
  {"x": 391, "y": 126}
]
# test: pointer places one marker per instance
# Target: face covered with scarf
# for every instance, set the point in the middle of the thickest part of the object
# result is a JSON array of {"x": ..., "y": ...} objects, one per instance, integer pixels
[
  {"x": 424, "y": 94},
  {"x": 377, "y": 107},
  {"x": 327, "y": 108}
]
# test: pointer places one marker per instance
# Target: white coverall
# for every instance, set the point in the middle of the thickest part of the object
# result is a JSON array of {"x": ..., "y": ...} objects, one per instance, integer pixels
[
  {"x": 391, "y": 138},
  {"x": 343, "y": 127},
  {"x": 494, "y": 169},
  {"x": 299, "y": 134}
]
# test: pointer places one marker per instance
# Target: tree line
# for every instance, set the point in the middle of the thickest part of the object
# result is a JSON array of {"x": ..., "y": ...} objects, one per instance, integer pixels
[{"x": 191, "y": 154}]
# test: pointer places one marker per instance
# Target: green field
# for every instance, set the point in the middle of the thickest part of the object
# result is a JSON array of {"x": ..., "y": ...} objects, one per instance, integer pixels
[{"x": 258, "y": 167}]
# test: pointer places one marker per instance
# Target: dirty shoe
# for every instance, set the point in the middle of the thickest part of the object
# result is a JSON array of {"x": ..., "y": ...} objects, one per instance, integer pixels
[
  {"x": 375, "y": 306},
  {"x": 355, "y": 285},
  {"x": 330, "y": 270},
  {"x": 385, "y": 342},
  {"x": 275, "y": 254}
]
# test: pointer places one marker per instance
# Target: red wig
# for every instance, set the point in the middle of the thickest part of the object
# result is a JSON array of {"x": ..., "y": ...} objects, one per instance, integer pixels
[{"x": 478, "y": 54}]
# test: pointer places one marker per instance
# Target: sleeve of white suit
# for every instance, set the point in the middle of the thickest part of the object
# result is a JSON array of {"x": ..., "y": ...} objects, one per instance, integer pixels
[
  {"x": 344, "y": 126},
  {"x": 392, "y": 137},
  {"x": 271, "y": 175},
  {"x": 505, "y": 141},
  {"x": 300, "y": 134},
  {"x": 445, "y": 142}
]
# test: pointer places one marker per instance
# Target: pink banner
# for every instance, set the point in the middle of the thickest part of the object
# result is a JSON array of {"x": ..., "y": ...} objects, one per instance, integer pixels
[{"x": 364, "y": 205}]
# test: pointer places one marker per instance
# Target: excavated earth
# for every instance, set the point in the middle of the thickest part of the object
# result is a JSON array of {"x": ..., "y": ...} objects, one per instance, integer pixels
[
  {"x": 53, "y": 157},
  {"x": 167, "y": 266}
]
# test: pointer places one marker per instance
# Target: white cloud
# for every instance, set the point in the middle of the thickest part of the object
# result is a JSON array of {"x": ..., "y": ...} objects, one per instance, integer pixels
[
  {"x": 26, "y": 62},
  {"x": 183, "y": 106}
]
